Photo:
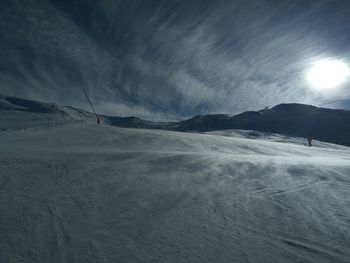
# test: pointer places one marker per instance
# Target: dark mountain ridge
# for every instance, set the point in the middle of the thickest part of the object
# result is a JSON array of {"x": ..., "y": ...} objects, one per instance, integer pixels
[{"x": 300, "y": 120}]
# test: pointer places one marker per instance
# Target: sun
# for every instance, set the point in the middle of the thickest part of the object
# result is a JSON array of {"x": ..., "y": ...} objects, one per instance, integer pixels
[{"x": 327, "y": 74}]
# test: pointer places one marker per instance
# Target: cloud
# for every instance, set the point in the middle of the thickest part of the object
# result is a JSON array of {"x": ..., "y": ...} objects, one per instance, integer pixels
[{"x": 169, "y": 58}]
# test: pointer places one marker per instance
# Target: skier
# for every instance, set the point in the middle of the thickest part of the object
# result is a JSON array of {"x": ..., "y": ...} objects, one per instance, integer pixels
[
  {"x": 309, "y": 139},
  {"x": 98, "y": 120}
]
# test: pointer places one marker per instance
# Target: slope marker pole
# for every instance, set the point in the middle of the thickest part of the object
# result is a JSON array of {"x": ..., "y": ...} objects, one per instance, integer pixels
[{"x": 92, "y": 107}]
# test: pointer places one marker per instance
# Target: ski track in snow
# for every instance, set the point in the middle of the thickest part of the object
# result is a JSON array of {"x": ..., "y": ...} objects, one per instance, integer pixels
[{"x": 82, "y": 193}]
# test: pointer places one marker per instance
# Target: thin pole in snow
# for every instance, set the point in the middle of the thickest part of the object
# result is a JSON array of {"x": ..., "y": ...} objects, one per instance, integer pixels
[{"x": 92, "y": 107}]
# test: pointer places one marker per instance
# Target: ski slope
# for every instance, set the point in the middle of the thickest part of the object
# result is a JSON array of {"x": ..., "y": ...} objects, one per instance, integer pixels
[{"x": 79, "y": 192}]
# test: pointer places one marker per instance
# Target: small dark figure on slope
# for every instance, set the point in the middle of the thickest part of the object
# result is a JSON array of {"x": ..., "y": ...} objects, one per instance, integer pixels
[{"x": 309, "y": 139}]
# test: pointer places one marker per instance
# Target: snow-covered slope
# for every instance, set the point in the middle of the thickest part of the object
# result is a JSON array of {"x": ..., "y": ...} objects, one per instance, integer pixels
[
  {"x": 86, "y": 193},
  {"x": 16, "y": 113}
]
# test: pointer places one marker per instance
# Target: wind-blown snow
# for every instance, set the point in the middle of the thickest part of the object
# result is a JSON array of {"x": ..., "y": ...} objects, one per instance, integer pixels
[{"x": 87, "y": 193}]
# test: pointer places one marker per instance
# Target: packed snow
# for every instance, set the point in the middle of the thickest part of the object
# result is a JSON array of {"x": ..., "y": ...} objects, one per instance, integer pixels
[{"x": 79, "y": 192}]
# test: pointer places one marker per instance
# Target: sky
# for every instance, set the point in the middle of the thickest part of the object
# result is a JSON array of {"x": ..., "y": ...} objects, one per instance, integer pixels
[{"x": 171, "y": 59}]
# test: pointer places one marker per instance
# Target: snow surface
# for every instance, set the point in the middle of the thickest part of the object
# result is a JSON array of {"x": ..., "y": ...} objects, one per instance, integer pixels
[{"x": 79, "y": 192}]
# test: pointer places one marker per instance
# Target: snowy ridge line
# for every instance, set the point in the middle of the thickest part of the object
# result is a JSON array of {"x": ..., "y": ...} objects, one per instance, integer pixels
[
  {"x": 23, "y": 114},
  {"x": 291, "y": 120}
]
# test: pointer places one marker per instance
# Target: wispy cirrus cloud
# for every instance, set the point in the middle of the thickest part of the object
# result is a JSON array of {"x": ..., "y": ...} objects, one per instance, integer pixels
[{"x": 170, "y": 58}]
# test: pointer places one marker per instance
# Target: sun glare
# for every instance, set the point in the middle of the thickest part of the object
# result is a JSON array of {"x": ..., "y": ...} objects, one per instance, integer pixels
[{"x": 327, "y": 74}]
